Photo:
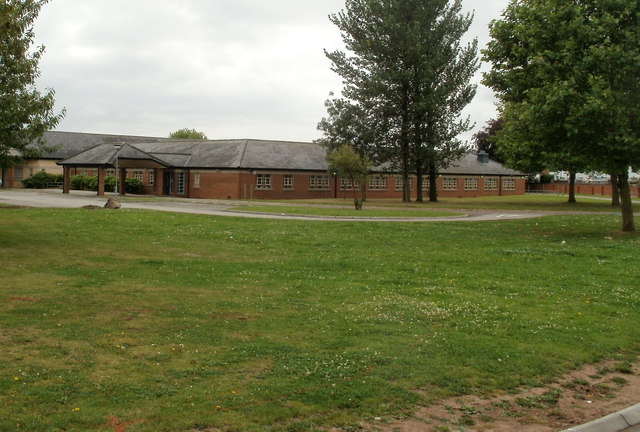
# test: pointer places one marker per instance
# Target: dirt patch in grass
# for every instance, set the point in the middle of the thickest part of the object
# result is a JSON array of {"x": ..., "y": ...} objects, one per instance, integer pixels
[{"x": 578, "y": 397}]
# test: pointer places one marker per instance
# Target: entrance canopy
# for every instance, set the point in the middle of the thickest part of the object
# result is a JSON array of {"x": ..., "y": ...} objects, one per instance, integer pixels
[{"x": 120, "y": 156}]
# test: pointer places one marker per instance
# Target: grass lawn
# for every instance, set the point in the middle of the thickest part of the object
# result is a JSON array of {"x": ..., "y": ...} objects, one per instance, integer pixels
[
  {"x": 514, "y": 203},
  {"x": 157, "y": 321},
  {"x": 346, "y": 212}
]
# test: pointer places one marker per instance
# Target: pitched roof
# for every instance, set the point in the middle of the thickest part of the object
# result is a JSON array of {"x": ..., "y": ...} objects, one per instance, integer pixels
[
  {"x": 68, "y": 144},
  {"x": 249, "y": 154},
  {"x": 471, "y": 164}
]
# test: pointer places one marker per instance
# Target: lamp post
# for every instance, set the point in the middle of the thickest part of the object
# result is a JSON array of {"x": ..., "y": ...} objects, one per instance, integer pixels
[{"x": 117, "y": 147}]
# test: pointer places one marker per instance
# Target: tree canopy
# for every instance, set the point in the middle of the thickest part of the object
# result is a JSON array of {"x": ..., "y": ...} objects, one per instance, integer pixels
[
  {"x": 345, "y": 162},
  {"x": 406, "y": 80},
  {"x": 186, "y": 133},
  {"x": 566, "y": 73},
  {"x": 25, "y": 112}
]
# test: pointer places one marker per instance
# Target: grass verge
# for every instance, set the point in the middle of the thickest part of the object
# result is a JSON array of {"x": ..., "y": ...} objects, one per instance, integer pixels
[
  {"x": 345, "y": 212},
  {"x": 177, "y": 322}
]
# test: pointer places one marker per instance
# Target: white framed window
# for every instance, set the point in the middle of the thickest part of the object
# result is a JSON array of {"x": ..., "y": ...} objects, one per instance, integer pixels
[
  {"x": 470, "y": 183},
  {"x": 18, "y": 173},
  {"x": 426, "y": 183},
  {"x": 319, "y": 182},
  {"x": 399, "y": 181},
  {"x": 138, "y": 175},
  {"x": 181, "y": 182},
  {"x": 152, "y": 177},
  {"x": 508, "y": 184},
  {"x": 287, "y": 182},
  {"x": 378, "y": 183},
  {"x": 263, "y": 181},
  {"x": 347, "y": 184},
  {"x": 450, "y": 183},
  {"x": 196, "y": 180},
  {"x": 490, "y": 183}
]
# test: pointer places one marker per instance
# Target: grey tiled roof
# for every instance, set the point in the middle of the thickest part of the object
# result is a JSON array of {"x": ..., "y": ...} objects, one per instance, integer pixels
[
  {"x": 469, "y": 164},
  {"x": 68, "y": 144},
  {"x": 249, "y": 154}
]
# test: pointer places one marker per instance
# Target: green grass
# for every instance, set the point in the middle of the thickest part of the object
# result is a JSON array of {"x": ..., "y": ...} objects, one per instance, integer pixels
[
  {"x": 176, "y": 322},
  {"x": 533, "y": 202},
  {"x": 345, "y": 212}
]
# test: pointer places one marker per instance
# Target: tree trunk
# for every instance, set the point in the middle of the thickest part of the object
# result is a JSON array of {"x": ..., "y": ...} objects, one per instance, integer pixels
[
  {"x": 357, "y": 200},
  {"x": 419, "y": 195},
  {"x": 626, "y": 204},
  {"x": 572, "y": 187},
  {"x": 615, "y": 191},
  {"x": 433, "y": 186}
]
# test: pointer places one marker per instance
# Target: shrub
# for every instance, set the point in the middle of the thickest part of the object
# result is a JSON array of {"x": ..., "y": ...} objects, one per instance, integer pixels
[
  {"x": 80, "y": 182},
  {"x": 41, "y": 180},
  {"x": 133, "y": 186}
]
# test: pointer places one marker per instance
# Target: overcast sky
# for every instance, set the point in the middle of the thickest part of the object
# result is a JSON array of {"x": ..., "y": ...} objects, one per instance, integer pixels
[{"x": 229, "y": 68}]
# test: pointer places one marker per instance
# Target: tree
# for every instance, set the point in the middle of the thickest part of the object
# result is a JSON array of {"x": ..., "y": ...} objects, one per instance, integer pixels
[
  {"x": 406, "y": 81},
  {"x": 25, "y": 112},
  {"x": 485, "y": 139},
  {"x": 566, "y": 73},
  {"x": 186, "y": 133},
  {"x": 345, "y": 162}
]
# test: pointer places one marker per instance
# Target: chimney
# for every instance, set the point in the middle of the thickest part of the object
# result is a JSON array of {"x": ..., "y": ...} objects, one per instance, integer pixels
[{"x": 483, "y": 156}]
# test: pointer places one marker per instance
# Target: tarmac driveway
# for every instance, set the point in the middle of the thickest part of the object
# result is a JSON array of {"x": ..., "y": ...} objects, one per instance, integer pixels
[{"x": 77, "y": 199}]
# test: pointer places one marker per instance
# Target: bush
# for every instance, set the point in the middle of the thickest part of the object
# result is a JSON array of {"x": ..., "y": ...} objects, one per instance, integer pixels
[
  {"x": 41, "y": 180},
  {"x": 80, "y": 182},
  {"x": 134, "y": 186},
  {"x": 546, "y": 178}
]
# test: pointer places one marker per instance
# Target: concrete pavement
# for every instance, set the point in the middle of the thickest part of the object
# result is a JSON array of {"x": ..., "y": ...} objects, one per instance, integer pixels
[{"x": 627, "y": 420}]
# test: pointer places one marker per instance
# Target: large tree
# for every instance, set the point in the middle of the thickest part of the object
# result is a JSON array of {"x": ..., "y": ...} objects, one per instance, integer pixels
[
  {"x": 406, "y": 80},
  {"x": 566, "y": 72},
  {"x": 25, "y": 112}
]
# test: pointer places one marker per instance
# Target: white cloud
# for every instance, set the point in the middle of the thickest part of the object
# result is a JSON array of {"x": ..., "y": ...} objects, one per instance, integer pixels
[{"x": 233, "y": 69}]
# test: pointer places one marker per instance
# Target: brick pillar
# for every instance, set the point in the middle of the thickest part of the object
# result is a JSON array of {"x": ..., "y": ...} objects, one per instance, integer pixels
[
  {"x": 66, "y": 179},
  {"x": 122, "y": 181},
  {"x": 102, "y": 174},
  {"x": 159, "y": 182}
]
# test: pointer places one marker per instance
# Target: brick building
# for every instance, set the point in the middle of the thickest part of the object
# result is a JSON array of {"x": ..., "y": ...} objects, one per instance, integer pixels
[{"x": 257, "y": 169}]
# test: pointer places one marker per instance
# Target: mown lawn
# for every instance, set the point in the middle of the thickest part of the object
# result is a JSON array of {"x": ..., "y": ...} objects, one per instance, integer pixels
[
  {"x": 155, "y": 321},
  {"x": 536, "y": 202}
]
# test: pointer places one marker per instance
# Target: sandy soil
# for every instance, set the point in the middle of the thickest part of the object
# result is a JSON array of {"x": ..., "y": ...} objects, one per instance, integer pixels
[{"x": 578, "y": 397}]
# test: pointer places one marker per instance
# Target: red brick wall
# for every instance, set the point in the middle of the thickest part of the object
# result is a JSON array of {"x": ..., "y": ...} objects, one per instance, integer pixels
[{"x": 581, "y": 188}]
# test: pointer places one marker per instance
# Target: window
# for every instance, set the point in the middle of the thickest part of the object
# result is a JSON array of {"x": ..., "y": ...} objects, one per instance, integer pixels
[
  {"x": 111, "y": 172},
  {"x": 491, "y": 183},
  {"x": 319, "y": 182},
  {"x": 263, "y": 181},
  {"x": 508, "y": 184},
  {"x": 287, "y": 182},
  {"x": 347, "y": 184},
  {"x": 152, "y": 177},
  {"x": 138, "y": 175},
  {"x": 400, "y": 183},
  {"x": 18, "y": 174},
  {"x": 450, "y": 183},
  {"x": 426, "y": 184},
  {"x": 196, "y": 180},
  {"x": 181, "y": 182},
  {"x": 377, "y": 183},
  {"x": 470, "y": 183}
]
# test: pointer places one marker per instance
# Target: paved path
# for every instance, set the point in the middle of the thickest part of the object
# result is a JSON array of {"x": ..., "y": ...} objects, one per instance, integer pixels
[{"x": 76, "y": 199}]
